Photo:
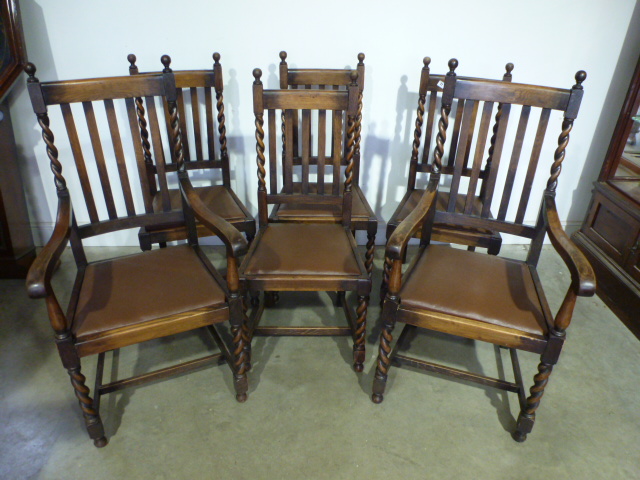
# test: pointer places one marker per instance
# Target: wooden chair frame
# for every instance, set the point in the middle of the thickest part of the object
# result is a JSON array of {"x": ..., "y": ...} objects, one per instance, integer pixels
[
  {"x": 292, "y": 102},
  {"x": 423, "y": 216},
  {"x": 330, "y": 79},
  {"x": 72, "y": 347},
  {"x": 196, "y": 158}
]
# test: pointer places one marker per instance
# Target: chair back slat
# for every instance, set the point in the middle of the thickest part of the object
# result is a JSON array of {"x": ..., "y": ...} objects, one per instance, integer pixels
[
  {"x": 112, "y": 119},
  {"x": 513, "y": 163},
  {"x": 299, "y": 187},
  {"x": 208, "y": 108},
  {"x": 306, "y": 146},
  {"x": 468, "y": 115},
  {"x": 322, "y": 145},
  {"x": 455, "y": 134},
  {"x": 476, "y": 168},
  {"x": 78, "y": 157},
  {"x": 490, "y": 181},
  {"x": 273, "y": 167},
  {"x": 96, "y": 144},
  {"x": 183, "y": 124},
  {"x": 533, "y": 164},
  {"x": 195, "y": 115},
  {"x": 158, "y": 152},
  {"x": 287, "y": 170}
]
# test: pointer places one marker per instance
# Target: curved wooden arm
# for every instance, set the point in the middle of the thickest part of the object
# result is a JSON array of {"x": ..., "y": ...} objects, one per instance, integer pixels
[
  {"x": 583, "y": 279},
  {"x": 39, "y": 276},
  {"x": 232, "y": 238},
  {"x": 397, "y": 243}
]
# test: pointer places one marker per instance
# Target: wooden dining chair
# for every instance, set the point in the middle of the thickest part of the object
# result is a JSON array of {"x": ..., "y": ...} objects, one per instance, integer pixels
[
  {"x": 130, "y": 299},
  {"x": 200, "y": 154},
  {"x": 479, "y": 296},
  {"x": 363, "y": 217},
  {"x": 319, "y": 256}
]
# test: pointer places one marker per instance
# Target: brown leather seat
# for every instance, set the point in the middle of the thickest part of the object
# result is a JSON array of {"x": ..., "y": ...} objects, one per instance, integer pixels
[
  {"x": 283, "y": 249},
  {"x": 106, "y": 301},
  {"x": 496, "y": 290},
  {"x": 219, "y": 197},
  {"x": 360, "y": 210}
]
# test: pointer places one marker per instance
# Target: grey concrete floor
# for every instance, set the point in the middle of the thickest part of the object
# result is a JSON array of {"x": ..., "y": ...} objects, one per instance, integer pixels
[{"x": 309, "y": 414}]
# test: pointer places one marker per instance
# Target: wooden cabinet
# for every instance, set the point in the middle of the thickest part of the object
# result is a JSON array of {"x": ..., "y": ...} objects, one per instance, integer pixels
[{"x": 610, "y": 235}]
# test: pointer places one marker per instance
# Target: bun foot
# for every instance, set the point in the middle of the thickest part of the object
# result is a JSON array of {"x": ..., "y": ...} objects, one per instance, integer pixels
[
  {"x": 377, "y": 398},
  {"x": 241, "y": 397},
  {"x": 519, "y": 436},
  {"x": 101, "y": 442},
  {"x": 358, "y": 367}
]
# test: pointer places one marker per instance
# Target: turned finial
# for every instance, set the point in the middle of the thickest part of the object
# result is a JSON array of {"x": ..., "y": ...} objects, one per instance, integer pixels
[
  {"x": 283, "y": 56},
  {"x": 453, "y": 64},
  {"x": 581, "y": 76},
  {"x": 132, "y": 60},
  {"x": 509, "y": 68},
  {"x": 257, "y": 73},
  {"x": 426, "y": 61},
  {"x": 361, "y": 59},
  {"x": 354, "y": 77},
  {"x": 216, "y": 58},
  {"x": 30, "y": 69},
  {"x": 166, "y": 61}
]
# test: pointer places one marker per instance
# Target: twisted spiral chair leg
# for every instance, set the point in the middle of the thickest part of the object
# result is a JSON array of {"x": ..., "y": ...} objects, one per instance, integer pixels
[
  {"x": 361, "y": 330},
  {"x": 240, "y": 382},
  {"x": 368, "y": 256},
  {"x": 246, "y": 336},
  {"x": 92, "y": 419},
  {"x": 384, "y": 286},
  {"x": 528, "y": 414},
  {"x": 383, "y": 364}
]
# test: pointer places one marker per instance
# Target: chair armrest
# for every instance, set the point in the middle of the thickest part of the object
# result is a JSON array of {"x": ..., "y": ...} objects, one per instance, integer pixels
[
  {"x": 39, "y": 276},
  {"x": 232, "y": 238},
  {"x": 583, "y": 279},
  {"x": 397, "y": 243}
]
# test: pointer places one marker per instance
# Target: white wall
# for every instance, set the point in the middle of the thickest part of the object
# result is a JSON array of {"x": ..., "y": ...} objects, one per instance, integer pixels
[{"x": 547, "y": 40}]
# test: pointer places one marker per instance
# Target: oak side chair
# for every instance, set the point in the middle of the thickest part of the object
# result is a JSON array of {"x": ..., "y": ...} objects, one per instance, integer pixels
[
  {"x": 363, "y": 217},
  {"x": 422, "y": 160},
  {"x": 127, "y": 300},
  {"x": 320, "y": 256},
  {"x": 479, "y": 296},
  {"x": 200, "y": 154}
]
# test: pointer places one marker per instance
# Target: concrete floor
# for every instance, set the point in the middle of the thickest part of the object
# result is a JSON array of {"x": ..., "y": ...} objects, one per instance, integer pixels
[{"x": 309, "y": 415}]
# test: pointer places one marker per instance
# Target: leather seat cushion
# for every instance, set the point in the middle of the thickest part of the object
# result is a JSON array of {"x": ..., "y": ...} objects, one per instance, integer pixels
[
  {"x": 475, "y": 286},
  {"x": 216, "y": 197},
  {"x": 303, "y": 249},
  {"x": 137, "y": 288},
  {"x": 443, "y": 201},
  {"x": 359, "y": 210}
]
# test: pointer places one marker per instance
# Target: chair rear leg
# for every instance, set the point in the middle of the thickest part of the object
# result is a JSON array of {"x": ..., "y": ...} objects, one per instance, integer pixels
[
  {"x": 360, "y": 333},
  {"x": 527, "y": 415},
  {"x": 384, "y": 286},
  {"x": 240, "y": 382},
  {"x": 384, "y": 360},
  {"x": 91, "y": 416},
  {"x": 371, "y": 248}
]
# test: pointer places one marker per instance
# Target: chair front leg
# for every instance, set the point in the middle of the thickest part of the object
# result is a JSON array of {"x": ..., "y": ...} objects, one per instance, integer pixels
[
  {"x": 71, "y": 362},
  {"x": 360, "y": 333},
  {"x": 384, "y": 351},
  {"x": 384, "y": 286},
  {"x": 527, "y": 415}
]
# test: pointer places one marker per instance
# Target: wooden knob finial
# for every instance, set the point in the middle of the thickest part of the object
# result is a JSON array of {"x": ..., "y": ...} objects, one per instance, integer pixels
[
  {"x": 257, "y": 73},
  {"x": 216, "y": 57},
  {"x": 354, "y": 77},
  {"x": 30, "y": 69},
  {"x": 426, "y": 61},
  {"x": 581, "y": 76},
  {"x": 453, "y": 64},
  {"x": 132, "y": 59},
  {"x": 166, "y": 61},
  {"x": 509, "y": 68},
  {"x": 361, "y": 58},
  {"x": 283, "y": 56}
]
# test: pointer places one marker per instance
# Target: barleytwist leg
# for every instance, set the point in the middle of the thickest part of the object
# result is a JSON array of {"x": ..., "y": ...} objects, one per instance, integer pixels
[
  {"x": 240, "y": 382},
  {"x": 528, "y": 414},
  {"x": 91, "y": 417},
  {"x": 384, "y": 286},
  {"x": 384, "y": 362},
  {"x": 368, "y": 256},
  {"x": 361, "y": 330}
]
